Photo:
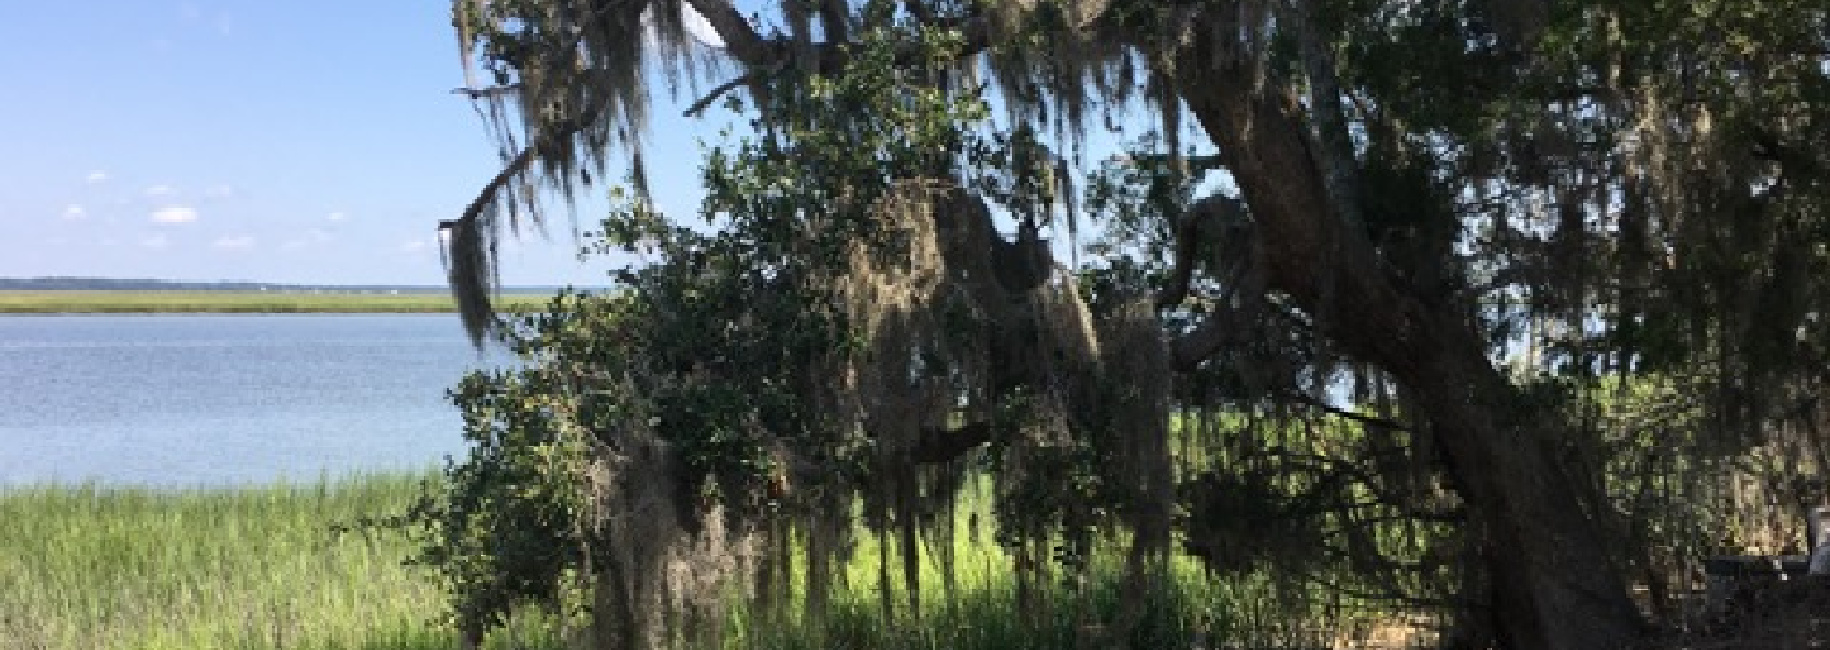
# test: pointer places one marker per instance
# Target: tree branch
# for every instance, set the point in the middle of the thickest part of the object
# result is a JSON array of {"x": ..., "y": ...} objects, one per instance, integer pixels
[
  {"x": 1198, "y": 166},
  {"x": 919, "y": 10},
  {"x": 939, "y": 445},
  {"x": 466, "y": 248},
  {"x": 1195, "y": 224},
  {"x": 754, "y": 51},
  {"x": 488, "y": 93},
  {"x": 740, "y": 38},
  {"x": 1226, "y": 325},
  {"x": 699, "y": 106},
  {"x": 1368, "y": 420}
]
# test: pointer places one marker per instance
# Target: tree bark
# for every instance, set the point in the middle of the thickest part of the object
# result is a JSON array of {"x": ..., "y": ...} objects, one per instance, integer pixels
[{"x": 1555, "y": 583}]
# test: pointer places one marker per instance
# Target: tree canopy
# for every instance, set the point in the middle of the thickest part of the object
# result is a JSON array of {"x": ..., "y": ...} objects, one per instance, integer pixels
[{"x": 1566, "y": 258}]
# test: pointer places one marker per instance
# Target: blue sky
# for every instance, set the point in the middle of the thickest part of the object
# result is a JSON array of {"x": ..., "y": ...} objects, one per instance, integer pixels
[
  {"x": 312, "y": 142},
  {"x": 303, "y": 142}
]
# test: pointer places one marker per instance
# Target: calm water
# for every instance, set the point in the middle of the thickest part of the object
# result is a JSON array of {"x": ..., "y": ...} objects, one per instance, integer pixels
[{"x": 203, "y": 399}]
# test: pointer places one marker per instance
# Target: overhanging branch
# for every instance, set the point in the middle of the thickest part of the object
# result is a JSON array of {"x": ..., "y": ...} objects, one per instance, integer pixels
[
  {"x": 743, "y": 43},
  {"x": 467, "y": 249},
  {"x": 698, "y": 107},
  {"x": 941, "y": 445}
]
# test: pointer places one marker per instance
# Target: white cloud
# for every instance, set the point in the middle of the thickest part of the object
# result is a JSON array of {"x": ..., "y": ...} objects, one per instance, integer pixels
[
  {"x": 155, "y": 241},
  {"x": 225, "y": 25},
  {"x": 174, "y": 214},
  {"x": 237, "y": 242},
  {"x": 218, "y": 192},
  {"x": 699, "y": 27},
  {"x": 317, "y": 236},
  {"x": 75, "y": 212},
  {"x": 161, "y": 191},
  {"x": 96, "y": 176},
  {"x": 293, "y": 244},
  {"x": 336, "y": 216}
]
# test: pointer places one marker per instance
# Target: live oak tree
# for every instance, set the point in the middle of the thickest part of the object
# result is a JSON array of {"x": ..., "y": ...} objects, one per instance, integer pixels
[{"x": 1407, "y": 191}]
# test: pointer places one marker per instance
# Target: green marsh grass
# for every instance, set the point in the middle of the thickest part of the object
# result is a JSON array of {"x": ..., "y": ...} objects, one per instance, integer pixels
[
  {"x": 260, "y": 567},
  {"x": 265, "y": 302},
  {"x": 256, "y": 567}
]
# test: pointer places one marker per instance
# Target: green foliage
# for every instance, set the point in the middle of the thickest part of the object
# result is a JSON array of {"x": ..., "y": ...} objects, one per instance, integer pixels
[
  {"x": 717, "y": 348},
  {"x": 1627, "y": 189},
  {"x": 508, "y": 526}
]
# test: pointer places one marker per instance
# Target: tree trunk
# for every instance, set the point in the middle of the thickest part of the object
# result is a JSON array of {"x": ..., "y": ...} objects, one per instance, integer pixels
[{"x": 1555, "y": 583}]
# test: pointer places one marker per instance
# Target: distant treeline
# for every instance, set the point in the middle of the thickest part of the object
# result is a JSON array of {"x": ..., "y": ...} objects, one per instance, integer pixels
[{"x": 136, "y": 284}]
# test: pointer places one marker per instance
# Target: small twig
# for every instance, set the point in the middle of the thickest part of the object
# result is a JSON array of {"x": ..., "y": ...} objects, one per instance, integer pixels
[
  {"x": 487, "y": 93},
  {"x": 699, "y": 106},
  {"x": 1369, "y": 420}
]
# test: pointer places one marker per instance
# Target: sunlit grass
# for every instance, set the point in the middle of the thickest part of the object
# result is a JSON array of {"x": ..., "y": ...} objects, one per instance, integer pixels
[
  {"x": 261, "y": 567},
  {"x": 981, "y": 610},
  {"x": 74, "y": 302}
]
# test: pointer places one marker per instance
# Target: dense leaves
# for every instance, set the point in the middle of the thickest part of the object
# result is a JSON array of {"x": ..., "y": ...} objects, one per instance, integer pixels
[{"x": 1487, "y": 307}]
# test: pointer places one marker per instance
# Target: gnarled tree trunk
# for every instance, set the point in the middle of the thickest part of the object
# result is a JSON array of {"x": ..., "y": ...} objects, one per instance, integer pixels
[{"x": 1555, "y": 585}]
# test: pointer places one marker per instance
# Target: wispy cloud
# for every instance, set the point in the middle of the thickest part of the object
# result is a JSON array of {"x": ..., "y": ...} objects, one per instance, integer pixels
[
  {"x": 225, "y": 24},
  {"x": 161, "y": 191},
  {"x": 96, "y": 176},
  {"x": 336, "y": 216},
  {"x": 174, "y": 214},
  {"x": 218, "y": 192},
  {"x": 234, "y": 243},
  {"x": 74, "y": 212},
  {"x": 155, "y": 241}
]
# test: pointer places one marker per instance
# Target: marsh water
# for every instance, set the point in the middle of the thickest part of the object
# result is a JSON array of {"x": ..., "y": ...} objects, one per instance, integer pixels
[{"x": 187, "y": 400}]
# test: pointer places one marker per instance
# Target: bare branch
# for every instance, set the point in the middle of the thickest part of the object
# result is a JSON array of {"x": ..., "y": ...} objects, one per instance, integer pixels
[
  {"x": 491, "y": 92},
  {"x": 700, "y": 106},
  {"x": 1329, "y": 409}
]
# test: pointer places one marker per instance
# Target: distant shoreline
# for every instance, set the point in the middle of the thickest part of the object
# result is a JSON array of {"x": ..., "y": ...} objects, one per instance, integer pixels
[
  {"x": 222, "y": 301},
  {"x": 67, "y": 283}
]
